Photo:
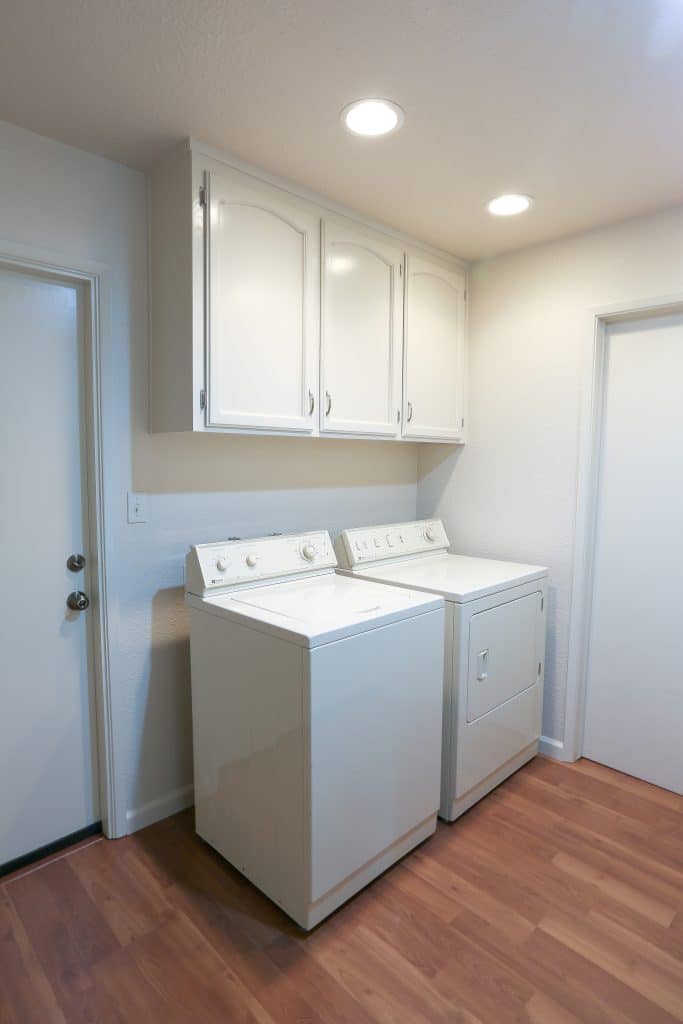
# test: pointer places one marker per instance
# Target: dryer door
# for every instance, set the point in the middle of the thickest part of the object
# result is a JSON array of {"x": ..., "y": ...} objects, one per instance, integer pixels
[{"x": 505, "y": 653}]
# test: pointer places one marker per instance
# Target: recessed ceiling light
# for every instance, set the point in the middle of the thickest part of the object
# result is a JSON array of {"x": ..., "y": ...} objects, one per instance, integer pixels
[
  {"x": 509, "y": 205},
  {"x": 372, "y": 117}
]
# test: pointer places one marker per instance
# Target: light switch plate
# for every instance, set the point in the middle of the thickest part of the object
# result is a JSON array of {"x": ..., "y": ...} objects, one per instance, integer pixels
[{"x": 137, "y": 507}]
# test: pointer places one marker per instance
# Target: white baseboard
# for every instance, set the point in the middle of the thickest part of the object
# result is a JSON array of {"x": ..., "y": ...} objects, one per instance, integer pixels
[
  {"x": 171, "y": 803},
  {"x": 552, "y": 748}
]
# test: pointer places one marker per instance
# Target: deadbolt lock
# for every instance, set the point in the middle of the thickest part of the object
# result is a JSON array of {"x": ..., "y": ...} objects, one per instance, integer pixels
[{"x": 75, "y": 563}]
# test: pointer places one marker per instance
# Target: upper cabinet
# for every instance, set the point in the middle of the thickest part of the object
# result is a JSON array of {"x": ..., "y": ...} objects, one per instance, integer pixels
[
  {"x": 361, "y": 331},
  {"x": 434, "y": 351},
  {"x": 262, "y": 319},
  {"x": 270, "y": 315}
]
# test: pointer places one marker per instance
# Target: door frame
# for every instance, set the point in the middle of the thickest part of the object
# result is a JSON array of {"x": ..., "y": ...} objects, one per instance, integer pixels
[
  {"x": 588, "y": 478},
  {"x": 92, "y": 279}
]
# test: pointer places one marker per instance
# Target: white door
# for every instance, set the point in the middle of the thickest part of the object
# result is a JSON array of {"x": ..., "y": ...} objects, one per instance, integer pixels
[
  {"x": 634, "y": 711},
  {"x": 263, "y": 253},
  {"x": 47, "y": 746},
  {"x": 362, "y": 299},
  {"x": 433, "y": 385}
]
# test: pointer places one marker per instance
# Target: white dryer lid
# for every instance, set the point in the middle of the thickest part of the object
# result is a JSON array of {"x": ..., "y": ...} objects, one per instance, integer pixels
[
  {"x": 458, "y": 578},
  {"x": 318, "y": 609}
]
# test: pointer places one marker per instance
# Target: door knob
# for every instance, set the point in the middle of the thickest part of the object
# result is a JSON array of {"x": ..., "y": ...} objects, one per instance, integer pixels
[
  {"x": 77, "y": 601},
  {"x": 75, "y": 563}
]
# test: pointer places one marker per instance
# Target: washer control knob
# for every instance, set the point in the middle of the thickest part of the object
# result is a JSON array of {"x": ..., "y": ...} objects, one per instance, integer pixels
[
  {"x": 251, "y": 561},
  {"x": 221, "y": 564},
  {"x": 308, "y": 552},
  {"x": 430, "y": 533}
]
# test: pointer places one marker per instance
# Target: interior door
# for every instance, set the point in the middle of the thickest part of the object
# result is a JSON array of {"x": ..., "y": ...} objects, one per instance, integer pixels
[
  {"x": 634, "y": 710},
  {"x": 362, "y": 297},
  {"x": 434, "y": 351},
  {"x": 263, "y": 256},
  {"x": 47, "y": 729}
]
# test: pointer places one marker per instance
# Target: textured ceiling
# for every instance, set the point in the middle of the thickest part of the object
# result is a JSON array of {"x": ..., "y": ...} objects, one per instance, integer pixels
[{"x": 577, "y": 102}]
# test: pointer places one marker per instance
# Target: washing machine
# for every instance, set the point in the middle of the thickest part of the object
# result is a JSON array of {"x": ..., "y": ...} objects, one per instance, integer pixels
[
  {"x": 316, "y": 712},
  {"x": 494, "y": 648}
]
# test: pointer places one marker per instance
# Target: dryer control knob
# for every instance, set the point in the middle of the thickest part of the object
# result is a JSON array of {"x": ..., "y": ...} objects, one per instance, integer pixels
[
  {"x": 251, "y": 561},
  {"x": 430, "y": 533},
  {"x": 308, "y": 552},
  {"x": 221, "y": 564}
]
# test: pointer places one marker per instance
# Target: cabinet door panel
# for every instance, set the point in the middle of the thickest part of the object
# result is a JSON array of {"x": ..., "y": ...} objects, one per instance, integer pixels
[
  {"x": 434, "y": 351},
  {"x": 361, "y": 337},
  {"x": 261, "y": 308}
]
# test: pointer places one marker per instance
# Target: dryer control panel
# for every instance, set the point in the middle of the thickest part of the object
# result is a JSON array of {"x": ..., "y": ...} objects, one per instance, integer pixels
[
  {"x": 210, "y": 568},
  {"x": 397, "y": 540}
]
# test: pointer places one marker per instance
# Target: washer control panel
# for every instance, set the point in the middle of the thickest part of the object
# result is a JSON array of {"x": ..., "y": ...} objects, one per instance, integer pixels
[
  {"x": 378, "y": 543},
  {"x": 212, "y": 567}
]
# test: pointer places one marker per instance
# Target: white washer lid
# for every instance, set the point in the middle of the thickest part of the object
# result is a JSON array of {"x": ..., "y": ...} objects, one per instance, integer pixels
[
  {"x": 319, "y": 609},
  {"x": 458, "y": 578}
]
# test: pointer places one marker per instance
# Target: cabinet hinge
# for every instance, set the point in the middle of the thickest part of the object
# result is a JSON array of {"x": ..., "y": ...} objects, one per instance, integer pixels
[
  {"x": 400, "y": 270},
  {"x": 202, "y": 196},
  {"x": 542, "y": 603},
  {"x": 202, "y": 399},
  {"x": 462, "y": 422},
  {"x": 539, "y": 668}
]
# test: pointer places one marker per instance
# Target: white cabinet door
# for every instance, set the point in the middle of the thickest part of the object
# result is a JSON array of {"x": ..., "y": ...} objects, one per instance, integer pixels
[
  {"x": 262, "y": 309},
  {"x": 433, "y": 385},
  {"x": 362, "y": 296}
]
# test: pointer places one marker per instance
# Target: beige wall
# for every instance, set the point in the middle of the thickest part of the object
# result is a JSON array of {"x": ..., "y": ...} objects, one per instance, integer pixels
[
  {"x": 200, "y": 487},
  {"x": 511, "y": 492}
]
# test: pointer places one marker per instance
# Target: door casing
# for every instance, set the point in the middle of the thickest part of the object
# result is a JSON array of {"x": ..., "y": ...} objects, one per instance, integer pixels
[
  {"x": 591, "y": 427},
  {"x": 92, "y": 280}
]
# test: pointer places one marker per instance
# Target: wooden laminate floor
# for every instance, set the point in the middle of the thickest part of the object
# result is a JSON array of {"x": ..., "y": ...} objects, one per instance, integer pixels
[{"x": 557, "y": 899}]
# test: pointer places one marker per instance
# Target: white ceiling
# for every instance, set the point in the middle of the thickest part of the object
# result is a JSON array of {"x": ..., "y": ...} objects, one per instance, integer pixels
[{"x": 577, "y": 102}]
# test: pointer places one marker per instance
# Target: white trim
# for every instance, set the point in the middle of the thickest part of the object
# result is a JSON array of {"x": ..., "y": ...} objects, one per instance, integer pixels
[
  {"x": 94, "y": 279},
  {"x": 590, "y": 432},
  {"x": 163, "y": 807},
  {"x": 552, "y": 748}
]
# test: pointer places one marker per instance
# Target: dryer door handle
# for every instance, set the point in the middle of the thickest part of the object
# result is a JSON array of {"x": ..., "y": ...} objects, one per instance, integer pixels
[{"x": 482, "y": 665}]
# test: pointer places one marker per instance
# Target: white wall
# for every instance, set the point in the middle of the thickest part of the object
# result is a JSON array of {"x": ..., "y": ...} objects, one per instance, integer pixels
[
  {"x": 200, "y": 487},
  {"x": 511, "y": 492}
]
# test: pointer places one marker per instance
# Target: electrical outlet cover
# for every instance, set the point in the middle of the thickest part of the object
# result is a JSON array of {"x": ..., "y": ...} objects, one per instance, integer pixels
[{"x": 137, "y": 507}]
